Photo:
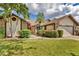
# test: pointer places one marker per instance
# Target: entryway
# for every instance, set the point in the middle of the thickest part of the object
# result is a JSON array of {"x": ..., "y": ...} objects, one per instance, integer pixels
[{"x": 12, "y": 27}]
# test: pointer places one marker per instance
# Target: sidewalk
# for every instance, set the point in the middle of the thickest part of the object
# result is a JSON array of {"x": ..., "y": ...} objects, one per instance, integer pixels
[
  {"x": 34, "y": 37},
  {"x": 68, "y": 37}
]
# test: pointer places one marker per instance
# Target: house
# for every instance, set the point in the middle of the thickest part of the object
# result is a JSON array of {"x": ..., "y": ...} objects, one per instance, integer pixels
[
  {"x": 13, "y": 24},
  {"x": 67, "y": 23}
]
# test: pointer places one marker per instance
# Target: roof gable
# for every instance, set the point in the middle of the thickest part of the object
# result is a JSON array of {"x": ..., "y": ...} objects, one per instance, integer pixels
[
  {"x": 60, "y": 18},
  {"x": 70, "y": 16},
  {"x": 12, "y": 13},
  {"x": 17, "y": 14}
]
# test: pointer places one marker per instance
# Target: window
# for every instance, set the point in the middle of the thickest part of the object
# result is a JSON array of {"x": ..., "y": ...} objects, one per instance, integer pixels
[{"x": 13, "y": 18}]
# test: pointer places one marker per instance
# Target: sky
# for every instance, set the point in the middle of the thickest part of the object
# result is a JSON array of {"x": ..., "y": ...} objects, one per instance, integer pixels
[{"x": 52, "y": 10}]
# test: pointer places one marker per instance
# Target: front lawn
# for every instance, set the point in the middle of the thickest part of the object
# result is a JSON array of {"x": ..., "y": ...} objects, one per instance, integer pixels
[{"x": 30, "y": 47}]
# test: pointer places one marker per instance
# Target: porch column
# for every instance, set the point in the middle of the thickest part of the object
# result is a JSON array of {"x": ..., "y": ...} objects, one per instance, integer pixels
[
  {"x": 54, "y": 26},
  {"x": 44, "y": 27},
  {"x": 73, "y": 30}
]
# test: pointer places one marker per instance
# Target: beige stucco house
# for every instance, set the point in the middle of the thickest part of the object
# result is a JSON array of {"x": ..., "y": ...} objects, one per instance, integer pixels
[{"x": 67, "y": 23}]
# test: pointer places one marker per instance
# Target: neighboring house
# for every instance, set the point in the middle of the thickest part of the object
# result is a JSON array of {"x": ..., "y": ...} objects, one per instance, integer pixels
[
  {"x": 13, "y": 25},
  {"x": 67, "y": 23}
]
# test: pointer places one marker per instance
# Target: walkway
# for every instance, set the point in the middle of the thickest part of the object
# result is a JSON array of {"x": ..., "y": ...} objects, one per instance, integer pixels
[
  {"x": 68, "y": 37},
  {"x": 34, "y": 37}
]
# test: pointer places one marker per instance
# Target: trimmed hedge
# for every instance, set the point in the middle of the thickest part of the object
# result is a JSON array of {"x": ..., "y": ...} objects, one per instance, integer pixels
[
  {"x": 25, "y": 33},
  {"x": 60, "y": 32},
  {"x": 51, "y": 34},
  {"x": 40, "y": 32}
]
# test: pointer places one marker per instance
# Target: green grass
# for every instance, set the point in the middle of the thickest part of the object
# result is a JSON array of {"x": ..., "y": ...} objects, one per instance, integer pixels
[{"x": 29, "y": 47}]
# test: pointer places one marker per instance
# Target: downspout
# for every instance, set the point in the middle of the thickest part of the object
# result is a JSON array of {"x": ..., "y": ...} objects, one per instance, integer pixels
[{"x": 54, "y": 26}]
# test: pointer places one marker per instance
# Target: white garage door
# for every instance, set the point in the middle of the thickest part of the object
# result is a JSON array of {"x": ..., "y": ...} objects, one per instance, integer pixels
[{"x": 68, "y": 30}]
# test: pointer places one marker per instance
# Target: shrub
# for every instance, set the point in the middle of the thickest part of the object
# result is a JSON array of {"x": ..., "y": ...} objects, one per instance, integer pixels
[
  {"x": 60, "y": 32},
  {"x": 40, "y": 32},
  {"x": 51, "y": 34},
  {"x": 55, "y": 34},
  {"x": 25, "y": 33},
  {"x": 2, "y": 33}
]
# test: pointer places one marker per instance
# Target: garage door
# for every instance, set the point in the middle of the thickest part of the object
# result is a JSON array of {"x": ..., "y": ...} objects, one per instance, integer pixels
[{"x": 67, "y": 28}]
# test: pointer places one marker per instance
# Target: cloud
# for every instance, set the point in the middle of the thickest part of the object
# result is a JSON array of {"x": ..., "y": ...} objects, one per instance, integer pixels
[
  {"x": 35, "y": 6},
  {"x": 53, "y": 9}
]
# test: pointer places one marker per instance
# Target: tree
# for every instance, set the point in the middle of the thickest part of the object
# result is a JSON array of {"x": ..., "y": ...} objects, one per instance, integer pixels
[
  {"x": 40, "y": 17},
  {"x": 19, "y": 7}
]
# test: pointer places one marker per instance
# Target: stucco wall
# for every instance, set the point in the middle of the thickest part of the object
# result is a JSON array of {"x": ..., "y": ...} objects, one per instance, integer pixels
[
  {"x": 24, "y": 25},
  {"x": 12, "y": 27},
  {"x": 66, "y": 21},
  {"x": 68, "y": 30},
  {"x": 50, "y": 27},
  {"x": 2, "y": 23}
]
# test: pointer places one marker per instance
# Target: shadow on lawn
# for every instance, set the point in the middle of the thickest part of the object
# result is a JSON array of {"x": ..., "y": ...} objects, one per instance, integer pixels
[{"x": 31, "y": 48}]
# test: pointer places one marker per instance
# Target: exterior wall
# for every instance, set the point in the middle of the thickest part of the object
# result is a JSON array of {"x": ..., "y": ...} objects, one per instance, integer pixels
[
  {"x": 24, "y": 25},
  {"x": 50, "y": 27},
  {"x": 17, "y": 27},
  {"x": 8, "y": 29},
  {"x": 68, "y": 25},
  {"x": 12, "y": 27},
  {"x": 2, "y": 23},
  {"x": 66, "y": 21},
  {"x": 34, "y": 30},
  {"x": 2, "y": 28}
]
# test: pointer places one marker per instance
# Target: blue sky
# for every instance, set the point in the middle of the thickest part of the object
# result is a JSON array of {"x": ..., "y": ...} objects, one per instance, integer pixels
[{"x": 52, "y": 10}]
